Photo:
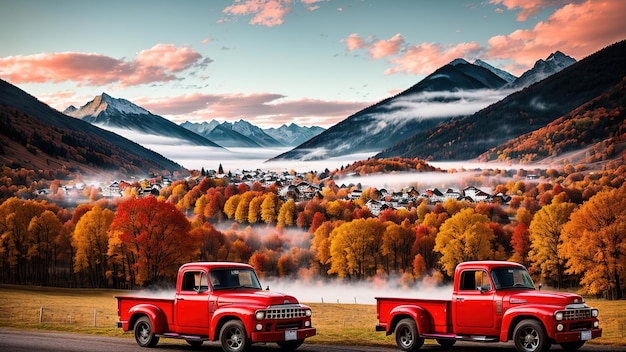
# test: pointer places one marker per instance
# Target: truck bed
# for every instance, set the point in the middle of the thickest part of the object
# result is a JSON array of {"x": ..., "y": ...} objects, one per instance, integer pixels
[{"x": 436, "y": 310}]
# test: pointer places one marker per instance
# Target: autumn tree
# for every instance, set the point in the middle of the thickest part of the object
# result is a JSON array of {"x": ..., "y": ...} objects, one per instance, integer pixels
[
  {"x": 594, "y": 241},
  {"x": 91, "y": 242},
  {"x": 397, "y": 243},
  {"x": 355, "y": 248},
  {"x": 287, "y": 214},
  {"x": 321, "y": 246},
  {"x": 545, "y": 240},
  {"x": 44, "y": 231},
  {"x": 151, "y": 238},
  {"x": 270, "y": 207},
  {"x": 463, "y": 237}
]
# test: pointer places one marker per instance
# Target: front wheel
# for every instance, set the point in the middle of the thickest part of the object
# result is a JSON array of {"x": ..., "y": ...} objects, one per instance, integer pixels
[
  {"x": 407, "y": 338},
  {"x": 530, "y": 336},
  {"x": 289, "y": 346},
  {"x": 144, "y": 335},
  {"x": 233, "y": 337}
]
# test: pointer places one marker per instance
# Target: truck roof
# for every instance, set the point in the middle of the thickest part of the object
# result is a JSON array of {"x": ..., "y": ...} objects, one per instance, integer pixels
[
  {"x": 488, "y": 264},
  {"x": 212, "y": 265}
]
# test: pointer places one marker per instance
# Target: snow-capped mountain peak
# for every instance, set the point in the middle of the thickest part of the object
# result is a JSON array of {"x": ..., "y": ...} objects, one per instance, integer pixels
[
  {"x": 501, "y": 73},
  {"x": 458, "y": 61},
  {"x": 105, "y": 102}
]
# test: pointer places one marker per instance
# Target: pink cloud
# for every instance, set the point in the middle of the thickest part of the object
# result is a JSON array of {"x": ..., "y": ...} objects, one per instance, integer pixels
[
  {"x": 577, "y": 30},
  {"x": 427, "y": 57},
  {"x": 260, "y": 107},
  {"x": 382, "y": 48},
  {"x": 354, "y": 42},
  {"x": 157, "y": 64},
  {"x": 531, "y": 8},
  {"x": 266, "y": 12}
]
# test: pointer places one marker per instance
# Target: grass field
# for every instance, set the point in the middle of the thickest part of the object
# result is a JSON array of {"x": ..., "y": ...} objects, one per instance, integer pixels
[{"x": 94, "y": 311}]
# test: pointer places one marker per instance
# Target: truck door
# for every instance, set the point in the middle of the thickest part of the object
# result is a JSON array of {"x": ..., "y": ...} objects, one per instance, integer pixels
[
  {"x": 473, "y": 304},
  {"x": 192, "y": 303}
]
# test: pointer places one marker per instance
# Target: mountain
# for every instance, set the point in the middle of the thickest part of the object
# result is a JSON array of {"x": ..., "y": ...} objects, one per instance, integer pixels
[
  {"x": 36, "y": 137},
  {"x": 556, "y": 62},
  {"x": 500, "y": 73},
  {"x": 522, "y": 112},
  {"x": 253, "y": 132},
  {"x": 123, "y": 117},
  {"x": 293, "y": 135},
  {"x": 396, "y": 118},
  {"x": 222, "y": 135},
  {"x": 596, "y": 129}
]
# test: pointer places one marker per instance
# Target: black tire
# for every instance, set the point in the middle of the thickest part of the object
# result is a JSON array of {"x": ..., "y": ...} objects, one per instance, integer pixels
[
  {"x": 144, "y": 335},
  {"x": 572, "y": 346},
  {"x": 288, "y": 346},
  {"x": 445, "y": 342},
  {"x": 407, "y": 337},
  {"x": 233, "y": 337},
  {"x": 194, "y": 343},
  {"x": 530, "y": 336}
]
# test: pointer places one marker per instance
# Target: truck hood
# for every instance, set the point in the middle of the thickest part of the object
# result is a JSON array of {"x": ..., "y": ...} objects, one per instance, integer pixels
[
  {"x": 255, "y": 298},
  {"x": 551, "y": 298}
]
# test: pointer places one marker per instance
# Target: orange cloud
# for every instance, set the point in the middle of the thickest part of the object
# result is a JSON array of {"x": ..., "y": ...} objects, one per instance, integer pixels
[
  {"x": 531, "y": 8},
  {"x": 578, "y": 30},
  {"x": 157, "y": 64},
  {"x": 376, "y": 48}
]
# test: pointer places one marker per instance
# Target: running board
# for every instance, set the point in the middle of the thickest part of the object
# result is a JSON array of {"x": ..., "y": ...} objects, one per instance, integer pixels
[
  {"x": 173, "y": 335},
  {"x": 475, "y": 338}
]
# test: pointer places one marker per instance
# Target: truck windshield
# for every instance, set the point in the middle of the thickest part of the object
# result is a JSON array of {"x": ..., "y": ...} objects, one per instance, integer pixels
[
  {"x": 507, "y": 278},
  {"x": 222, "y": 279}
]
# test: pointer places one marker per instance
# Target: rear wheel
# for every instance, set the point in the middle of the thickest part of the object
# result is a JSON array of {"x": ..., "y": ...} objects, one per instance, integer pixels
[
  {"x": 144, "y": 335},
  {"x": 530, "y": 336},
  {"x": 290, "y": 345},
  {"x": 233, "y": 337},
  {"x": 407, "y": 338}
]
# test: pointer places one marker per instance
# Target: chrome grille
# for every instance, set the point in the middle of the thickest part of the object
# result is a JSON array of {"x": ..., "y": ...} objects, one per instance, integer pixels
[
  {"x": 286, "y": 312},
  {"x": 576, "y": 314}
]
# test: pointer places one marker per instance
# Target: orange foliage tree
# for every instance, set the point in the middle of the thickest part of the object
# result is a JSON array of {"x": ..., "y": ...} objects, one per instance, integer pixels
[{"x": 150, "y": 240}]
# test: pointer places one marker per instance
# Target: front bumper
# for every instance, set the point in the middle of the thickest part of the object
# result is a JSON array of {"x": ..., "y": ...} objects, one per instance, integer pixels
[
  {"x": 282, "y": 335},
  {"x": 576, "y": 336}
]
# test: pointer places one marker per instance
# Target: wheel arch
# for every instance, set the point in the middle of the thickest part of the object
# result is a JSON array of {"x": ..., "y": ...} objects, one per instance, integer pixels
[
  {"x": 154, "y": 313},
  {"x": 418, "y": 314}
]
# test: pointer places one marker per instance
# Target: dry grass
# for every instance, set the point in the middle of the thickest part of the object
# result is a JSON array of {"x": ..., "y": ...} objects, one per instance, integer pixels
[{"x": 352, "y": 324}]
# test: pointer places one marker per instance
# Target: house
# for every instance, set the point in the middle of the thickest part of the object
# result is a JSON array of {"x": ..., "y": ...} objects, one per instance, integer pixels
[{"x": 475, "y": 195}]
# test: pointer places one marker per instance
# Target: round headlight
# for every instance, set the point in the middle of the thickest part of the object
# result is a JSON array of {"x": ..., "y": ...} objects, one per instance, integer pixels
[
  {"x": 559, "y": 327},
  {"x": 308, "y": 313},
  {"x": 558, "y": 316},
  {"x": 594, "y": 313},
  {"x": 260, "y": 315}
]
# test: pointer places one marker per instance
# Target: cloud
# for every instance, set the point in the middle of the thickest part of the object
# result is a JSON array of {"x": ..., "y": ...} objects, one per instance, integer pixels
[
  {"x": 260, "y": 108},
  {"x": 531, "y": 8},
  {"x": 267, "y": 13},
  {"x": 577, "y": 28},
  {"x": 161, "y": 63}
]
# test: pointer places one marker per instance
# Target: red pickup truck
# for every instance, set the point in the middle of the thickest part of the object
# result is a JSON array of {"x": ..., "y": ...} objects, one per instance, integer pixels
[
  {"x": 492, "y": 301},
  {"x": 217, "y": 301}
]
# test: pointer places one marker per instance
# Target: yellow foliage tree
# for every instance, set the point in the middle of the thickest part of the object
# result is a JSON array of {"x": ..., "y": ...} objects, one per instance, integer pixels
[
  {"x": 90, "y": 242},
  {"x": 355, "y": 248},
  {"x": 287, "y": 214},
  {"x": 463, "y": 237},
  {"x": 545, "y": 240},
  {"x": 594, "y": 242}
]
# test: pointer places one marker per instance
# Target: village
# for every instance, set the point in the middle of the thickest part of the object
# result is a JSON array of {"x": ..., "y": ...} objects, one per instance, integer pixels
[{"x": 294, "y": 186}]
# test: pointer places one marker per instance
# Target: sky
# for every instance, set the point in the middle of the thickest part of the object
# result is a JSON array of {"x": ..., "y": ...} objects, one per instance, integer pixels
[{"x": 274, "y": 62}]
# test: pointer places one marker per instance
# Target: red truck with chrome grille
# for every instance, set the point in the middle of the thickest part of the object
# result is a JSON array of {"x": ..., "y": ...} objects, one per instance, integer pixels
[
  {"x": 492, "y": 301},
  {"x": 217, "y": 301}
]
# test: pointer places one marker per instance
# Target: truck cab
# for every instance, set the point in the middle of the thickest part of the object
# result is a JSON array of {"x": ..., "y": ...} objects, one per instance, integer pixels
[
  {"x": 218, "y": 302},
  {"x": 492, "y": 301}
]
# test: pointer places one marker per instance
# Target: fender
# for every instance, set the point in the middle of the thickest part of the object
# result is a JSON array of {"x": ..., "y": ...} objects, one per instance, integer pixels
[
  {"x": 417, "y": 313},
  {"x": 245, "y": 314},
  {"x": 543, "y": 313},
  {"x": 156, "y": 315}
]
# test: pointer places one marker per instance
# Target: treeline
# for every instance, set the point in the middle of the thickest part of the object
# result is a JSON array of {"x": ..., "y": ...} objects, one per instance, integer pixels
[{"x": 569, "y": 232}]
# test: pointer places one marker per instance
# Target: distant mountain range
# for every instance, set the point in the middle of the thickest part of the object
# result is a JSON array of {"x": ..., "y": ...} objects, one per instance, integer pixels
[
  {"x": 36, "y": 137},
  {"x": 453, "y": 91}
]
